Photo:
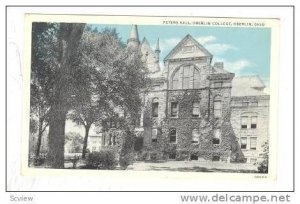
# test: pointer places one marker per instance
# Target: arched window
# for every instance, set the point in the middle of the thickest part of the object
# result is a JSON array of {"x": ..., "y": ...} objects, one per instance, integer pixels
[{"x": 186, "y": 77}]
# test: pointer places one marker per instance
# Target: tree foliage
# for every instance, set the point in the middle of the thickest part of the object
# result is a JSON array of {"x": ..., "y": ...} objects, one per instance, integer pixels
[
  {"x": 263, "y": 165},
  {"x": 43, "y": 62},
  {"x": 114, "y": 77},
  {"x": 75, "y": 140},
  {"x": 87, "y": 73}
]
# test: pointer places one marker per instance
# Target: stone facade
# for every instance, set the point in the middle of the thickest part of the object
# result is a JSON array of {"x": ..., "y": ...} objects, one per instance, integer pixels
[{"x": 195, "y": 109}]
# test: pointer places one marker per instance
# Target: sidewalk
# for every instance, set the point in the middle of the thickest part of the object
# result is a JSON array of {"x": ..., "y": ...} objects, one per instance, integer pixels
[{"x": 194, "y": 166}]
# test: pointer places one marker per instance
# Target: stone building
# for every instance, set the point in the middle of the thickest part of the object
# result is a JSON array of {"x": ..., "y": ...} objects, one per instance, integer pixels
[{"x": 197, "y": 110}]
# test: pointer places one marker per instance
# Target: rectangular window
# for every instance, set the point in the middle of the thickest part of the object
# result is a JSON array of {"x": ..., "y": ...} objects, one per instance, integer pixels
[
  {"x": 243, "y": 142},
  {"x": 245, "y": 104},
  {"x": 253, "y": 160},
  {"x": 121, "y": 114},
  {"x": 244, "y": 122},
  {"x": 217, "y": 136},
  {"x": 114, "y": 140},
  {"x": 196, "y": 136},
  {"x": 173, "y": 135},
  {"x": 196, "y": 109},
  {"x": 154, "y": 135},
  {"x": 253, "y": 122},
  {"x": 156, "y": 87},
  {"x": 218, "y": 84},
  {"x": 254, "y": 104},
  {"x": 110, "y": 140},
  {"x": 155, "y": 109},
  {"x": 217, "y": 109},
  {"x": 174, "y": 109},
  {"x": 186, "y": 77},
  {"x": 175, "y": 84},
  {"x": 253, "y": 142},
  {"x": 196, "y": 79}
]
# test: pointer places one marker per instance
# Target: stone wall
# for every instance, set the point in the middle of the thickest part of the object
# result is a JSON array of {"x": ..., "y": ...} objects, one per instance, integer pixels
[{"x": 262, "y": 129}]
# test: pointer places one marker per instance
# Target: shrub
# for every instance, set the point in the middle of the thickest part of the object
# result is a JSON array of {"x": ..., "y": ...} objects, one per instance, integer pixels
[
  {"x": 263, "y": 166},
  {"x": 138, "y": 143},
  {"x": 153, "y": 157},
  {"x": 125, "y": 161},
  {"x": 40, "y": 160},
  {"x": 182, "y": 155},
  {"x": 105, "y": 159}
]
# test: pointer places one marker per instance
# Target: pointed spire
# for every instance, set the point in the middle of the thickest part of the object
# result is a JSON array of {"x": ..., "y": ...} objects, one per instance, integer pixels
[
  {"x": 157, "y": 51},
  {"x": 157, "y": 46},
  {"x": 133, "y": 37},
  {"x": 134, "y": 33}
]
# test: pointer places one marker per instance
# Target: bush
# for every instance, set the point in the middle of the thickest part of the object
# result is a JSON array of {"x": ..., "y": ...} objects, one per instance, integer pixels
[
  {"x": 182, "y": 155},
  {"x": 40, "y": 160},
  {"x": 105, "y": 159},
  {"x": 153, "y": 157},
  {"x": 263, "y": 167},
  {"x": 138, "y": 143},
  {"x": 125, "y": 161}
]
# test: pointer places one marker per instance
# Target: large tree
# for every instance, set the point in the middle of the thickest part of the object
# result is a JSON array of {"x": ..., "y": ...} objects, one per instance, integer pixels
[
  {"x": 69, "y": 35},
  {"x": 114, "y": 77}
]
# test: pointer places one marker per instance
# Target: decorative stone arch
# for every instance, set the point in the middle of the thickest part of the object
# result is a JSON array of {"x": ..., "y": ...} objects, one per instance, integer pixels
[
  {"x": 218, "y": 97},
  {"x": 155, "y": 100},
  {"x": 180, "y": 77},
  {"x": 249, "y": 113}
]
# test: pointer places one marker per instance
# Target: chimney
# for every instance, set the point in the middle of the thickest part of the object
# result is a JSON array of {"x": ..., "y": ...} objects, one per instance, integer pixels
[{"x": 219, "y": 65}]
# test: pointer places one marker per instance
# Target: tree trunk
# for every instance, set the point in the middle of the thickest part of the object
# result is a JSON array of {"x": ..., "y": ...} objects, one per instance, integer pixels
[
  {"x": 39, "y": 141},
  {"x": 69, "y": 37},
  {"x": 56, "y": 138},
  {"x": 87, "y": 129}
]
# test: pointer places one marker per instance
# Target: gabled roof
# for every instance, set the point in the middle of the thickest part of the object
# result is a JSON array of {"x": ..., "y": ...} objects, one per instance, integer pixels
[
  {"x": 195, "y": 42},
  {"x": 247, "y": 86},
  {"x": 253, "y": 81}
]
